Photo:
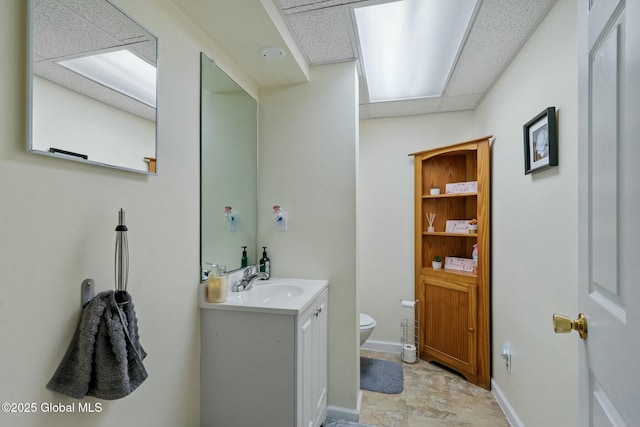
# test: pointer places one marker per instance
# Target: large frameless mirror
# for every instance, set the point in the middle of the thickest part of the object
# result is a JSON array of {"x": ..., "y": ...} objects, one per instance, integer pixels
[
  {"x": 228, "y": 169},
  {"x": 92, "y": 85}
]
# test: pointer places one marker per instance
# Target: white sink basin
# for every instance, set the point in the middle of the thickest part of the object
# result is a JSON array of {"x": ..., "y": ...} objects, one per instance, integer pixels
[
  {"x": 269, "y": 294},
  {"x": 273, "y": 295}
]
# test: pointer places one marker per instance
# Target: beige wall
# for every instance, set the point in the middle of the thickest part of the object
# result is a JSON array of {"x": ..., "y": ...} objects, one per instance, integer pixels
[
  {"x": 57, "y": 221},
  {"x": 385, "y": 210},
  {"x": 534, "y": 231},
  {"x": 307, "y": 159}
]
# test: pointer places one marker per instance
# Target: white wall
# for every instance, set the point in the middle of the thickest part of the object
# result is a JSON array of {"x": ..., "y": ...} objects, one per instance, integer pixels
[
  {"x": 57, "y": 221},
  {"x": 534, "y": 226},
  {"x": 385, "y": 210},
  {"x": 534, "y": 232},
  {"x": 307, "y": 159}
]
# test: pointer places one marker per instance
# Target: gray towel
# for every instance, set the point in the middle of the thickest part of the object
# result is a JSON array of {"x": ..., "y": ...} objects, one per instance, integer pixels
[{"x": 104, "y": 358}]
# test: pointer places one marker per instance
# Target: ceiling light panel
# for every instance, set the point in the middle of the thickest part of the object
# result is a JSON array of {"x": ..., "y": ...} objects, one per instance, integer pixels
[
  {"x": 408, "y": 47},
  {"x": 119, "y": 70}
]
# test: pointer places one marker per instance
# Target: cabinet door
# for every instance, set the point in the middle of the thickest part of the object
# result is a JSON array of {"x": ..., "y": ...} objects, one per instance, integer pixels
[
  {"x": 450, "y": 322},
  {"x": 305, "y": 370},
  {"x": 312, "y": 362},
  {"x": 320, "y": 362}
]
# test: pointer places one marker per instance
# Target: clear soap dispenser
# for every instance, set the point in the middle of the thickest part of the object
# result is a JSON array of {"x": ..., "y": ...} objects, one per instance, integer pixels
[{"x": 218, "y": 284}]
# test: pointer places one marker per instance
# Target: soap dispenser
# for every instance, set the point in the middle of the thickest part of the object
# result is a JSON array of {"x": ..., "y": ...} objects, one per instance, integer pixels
[
  {"x": 265, "y": 263},
  {"x": 244, "y": 260}
]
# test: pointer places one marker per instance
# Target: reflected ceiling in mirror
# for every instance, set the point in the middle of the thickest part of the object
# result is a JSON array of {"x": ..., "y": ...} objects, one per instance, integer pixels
[
  {"x": 228, "y": 169},
  {"x": 83, "y": 105}
]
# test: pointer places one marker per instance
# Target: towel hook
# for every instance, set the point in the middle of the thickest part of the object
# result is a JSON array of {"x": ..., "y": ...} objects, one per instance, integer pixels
[{"x": 87, "y": 291}]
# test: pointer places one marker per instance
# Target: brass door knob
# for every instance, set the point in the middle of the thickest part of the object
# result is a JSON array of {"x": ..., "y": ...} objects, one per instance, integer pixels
[{"x": 563, "y": 324}]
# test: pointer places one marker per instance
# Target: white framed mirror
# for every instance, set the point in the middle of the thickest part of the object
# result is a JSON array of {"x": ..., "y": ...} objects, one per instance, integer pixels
[{"x": 92, "y": 81}]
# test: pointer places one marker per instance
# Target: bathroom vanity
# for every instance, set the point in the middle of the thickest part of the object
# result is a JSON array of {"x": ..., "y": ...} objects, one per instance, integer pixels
[{"x": 264, "y": 355}]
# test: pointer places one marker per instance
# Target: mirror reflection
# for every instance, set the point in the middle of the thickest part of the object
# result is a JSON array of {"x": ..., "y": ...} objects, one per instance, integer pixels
[
  {"x": 228, "y": 169},
  {"x": 92, "y": 82}
]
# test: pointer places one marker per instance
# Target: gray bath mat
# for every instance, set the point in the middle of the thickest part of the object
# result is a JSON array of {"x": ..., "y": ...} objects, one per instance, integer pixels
[{"x": 381, "y": 376}]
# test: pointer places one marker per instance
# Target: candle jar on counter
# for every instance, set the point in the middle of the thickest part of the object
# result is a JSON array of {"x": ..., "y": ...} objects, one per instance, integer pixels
[{"x": 218, "y": 284}]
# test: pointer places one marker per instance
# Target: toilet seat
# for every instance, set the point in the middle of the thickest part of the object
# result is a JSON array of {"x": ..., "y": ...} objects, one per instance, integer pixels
[{"x": 366, "y": 321}]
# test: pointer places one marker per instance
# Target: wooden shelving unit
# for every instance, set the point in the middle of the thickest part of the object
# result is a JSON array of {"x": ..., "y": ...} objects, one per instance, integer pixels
[{"x": 455, "y": 305}]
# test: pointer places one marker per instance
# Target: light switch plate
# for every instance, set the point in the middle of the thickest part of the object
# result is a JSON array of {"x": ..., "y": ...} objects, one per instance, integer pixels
[
  {"x": 234, "y": 221},
  {"x": 281, "y": 222}
]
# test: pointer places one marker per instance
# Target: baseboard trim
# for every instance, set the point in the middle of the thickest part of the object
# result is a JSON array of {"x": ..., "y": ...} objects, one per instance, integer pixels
[
  {"x": 383, "y": 346},
  {"x": 506, "y": 407},
  {"x": 348, "y": 414}
]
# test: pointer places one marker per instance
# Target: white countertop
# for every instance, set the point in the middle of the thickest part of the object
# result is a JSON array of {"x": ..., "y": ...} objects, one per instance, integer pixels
[{"x": 260, "y": 301}]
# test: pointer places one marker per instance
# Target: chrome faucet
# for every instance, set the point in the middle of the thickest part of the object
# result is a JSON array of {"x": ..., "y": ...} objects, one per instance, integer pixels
[{"x": 251, "y": 274}]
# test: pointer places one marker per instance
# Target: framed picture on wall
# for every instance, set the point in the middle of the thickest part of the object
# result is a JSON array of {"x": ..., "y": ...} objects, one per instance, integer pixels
[{"x": 541, "y": 142}]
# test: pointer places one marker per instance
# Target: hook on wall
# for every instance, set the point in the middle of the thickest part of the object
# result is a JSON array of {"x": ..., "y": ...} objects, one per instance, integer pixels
[{"x": 87, "y": 291}]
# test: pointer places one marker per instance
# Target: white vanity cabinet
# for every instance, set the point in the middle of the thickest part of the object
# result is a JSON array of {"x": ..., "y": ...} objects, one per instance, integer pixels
[
  {"x": 263, "y": 365},
  {"x": 312, "y": 364}
]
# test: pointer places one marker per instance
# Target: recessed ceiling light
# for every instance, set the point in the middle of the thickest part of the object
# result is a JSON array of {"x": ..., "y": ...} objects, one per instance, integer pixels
[
  {"x": 272, "y": 53},
  {"x": 408, "y": 47},
  {"x": 120, "y": 70}
]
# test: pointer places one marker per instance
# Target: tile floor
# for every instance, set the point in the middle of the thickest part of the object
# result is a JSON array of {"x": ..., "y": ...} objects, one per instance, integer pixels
[{"x": 432, "y": 396}]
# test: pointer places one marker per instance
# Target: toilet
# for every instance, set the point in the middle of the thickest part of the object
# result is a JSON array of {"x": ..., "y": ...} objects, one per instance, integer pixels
[{"x": 367, "y": 323}]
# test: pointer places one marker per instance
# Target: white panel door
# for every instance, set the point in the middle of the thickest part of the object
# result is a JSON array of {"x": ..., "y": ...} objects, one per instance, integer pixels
[{"x": 609, "y": 211}]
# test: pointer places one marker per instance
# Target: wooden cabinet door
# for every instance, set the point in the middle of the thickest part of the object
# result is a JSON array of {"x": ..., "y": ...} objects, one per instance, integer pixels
[{"x": 450, "y": 324}]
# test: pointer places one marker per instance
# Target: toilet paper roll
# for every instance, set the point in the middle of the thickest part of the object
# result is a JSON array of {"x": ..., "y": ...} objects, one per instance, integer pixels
[
  {"x": 409, "y": 353},
  {"x": 406, "y": 303}
]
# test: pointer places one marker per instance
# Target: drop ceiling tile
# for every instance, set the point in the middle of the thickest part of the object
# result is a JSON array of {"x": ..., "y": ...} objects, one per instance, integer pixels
[
  {"x": 459, "y": 103},
  {"x": 109, "y": 19},
  {"x": 500, "y": 30},
  {"x": 80, "y": 36},
  {"x": 71, "y": 27},
  {"x": 324, "y": 35},
  {"x": 410, "y": 107}
]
